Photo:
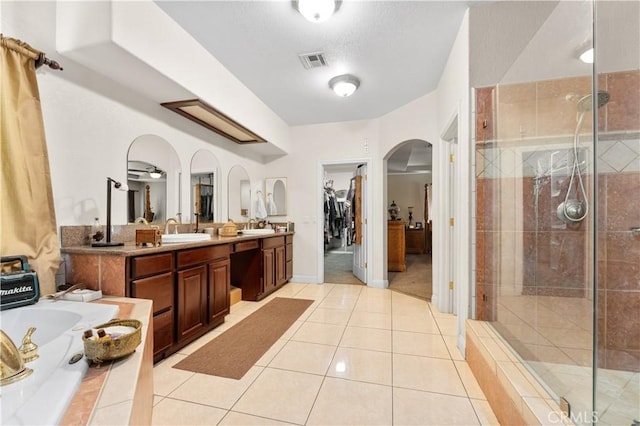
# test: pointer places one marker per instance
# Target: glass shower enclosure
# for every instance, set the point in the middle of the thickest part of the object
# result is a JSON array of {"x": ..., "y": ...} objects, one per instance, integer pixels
[{"x": 558, "y": 208}]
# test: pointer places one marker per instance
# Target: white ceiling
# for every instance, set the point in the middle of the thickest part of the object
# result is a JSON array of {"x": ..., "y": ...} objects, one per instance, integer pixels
[{"x": 397, "y": 49}]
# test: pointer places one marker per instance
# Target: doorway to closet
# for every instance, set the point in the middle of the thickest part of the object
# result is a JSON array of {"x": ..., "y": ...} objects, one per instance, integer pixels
[{"x": 344, "y": 224}]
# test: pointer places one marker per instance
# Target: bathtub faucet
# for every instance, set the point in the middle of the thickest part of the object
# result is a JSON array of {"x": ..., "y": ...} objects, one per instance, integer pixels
[{"x": 12, "y": 360}]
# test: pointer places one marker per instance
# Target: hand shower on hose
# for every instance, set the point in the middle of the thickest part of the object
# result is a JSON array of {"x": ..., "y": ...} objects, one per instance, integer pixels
[{"x": 573, "y": 210}]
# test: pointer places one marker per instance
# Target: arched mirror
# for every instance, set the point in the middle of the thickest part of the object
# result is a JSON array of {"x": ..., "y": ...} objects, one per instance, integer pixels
[
  {"x": 239, "y": 195},
  {"x": 276, "y": 191},
  {"x": 204, "y": 185},
  {"x": 153, "y": 176}
]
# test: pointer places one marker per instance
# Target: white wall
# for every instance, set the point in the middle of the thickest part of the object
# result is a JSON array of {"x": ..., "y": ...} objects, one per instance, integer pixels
[
  {"x": 408, "y": 190},
  {"x": 90, "y": 122},
  {"x": 372, "y": 139},
  {"x": 454, "y": 101},
  {"x": 88, "y": 137}
]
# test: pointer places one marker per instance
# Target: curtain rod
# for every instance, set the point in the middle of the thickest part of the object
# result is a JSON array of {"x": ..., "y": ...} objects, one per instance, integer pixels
[{"x": 40, "y": 58}]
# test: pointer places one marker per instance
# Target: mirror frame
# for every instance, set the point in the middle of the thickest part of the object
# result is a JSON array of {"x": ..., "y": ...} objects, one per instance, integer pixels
[{"x": 273, "y": 200}]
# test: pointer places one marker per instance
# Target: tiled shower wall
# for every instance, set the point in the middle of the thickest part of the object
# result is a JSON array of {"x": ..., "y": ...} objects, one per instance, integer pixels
[{"x": 524, "y": 136}]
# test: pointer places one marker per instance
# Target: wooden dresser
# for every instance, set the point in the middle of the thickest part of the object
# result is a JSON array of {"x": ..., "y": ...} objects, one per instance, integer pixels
[
  {"x": 415, "y": 241},
  {"x": 396, "y": 246}
]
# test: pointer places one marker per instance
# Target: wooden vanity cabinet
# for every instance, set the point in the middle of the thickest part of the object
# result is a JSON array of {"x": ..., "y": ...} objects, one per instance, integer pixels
[
  {"x": 219, "y": 288},
  {"x": 190, "y": 288},
  {"x": 289, "y": 257},
  {"x": 274, "y": 264},
  {"x": 203, "y": 283},
  {"x": 268, "y": 267},
  {"x": 192, "y": 301},
  {"x": 152, "y": 278}
]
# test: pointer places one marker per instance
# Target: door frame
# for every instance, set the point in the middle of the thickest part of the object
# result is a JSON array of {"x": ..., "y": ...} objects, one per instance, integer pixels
[{"x": 367, "y": 209}]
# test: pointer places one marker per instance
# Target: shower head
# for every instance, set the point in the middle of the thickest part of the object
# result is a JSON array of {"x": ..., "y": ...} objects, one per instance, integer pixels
[{"x": 586, "y": 102}]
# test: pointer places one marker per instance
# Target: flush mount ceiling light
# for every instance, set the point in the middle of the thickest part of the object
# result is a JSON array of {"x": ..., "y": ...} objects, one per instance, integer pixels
[
  {"x": 344, "y": 85},
  {"x": 317, "y": 11},
  {"x": 587, "y": 56},
  {"x": 209, "y": 117}
]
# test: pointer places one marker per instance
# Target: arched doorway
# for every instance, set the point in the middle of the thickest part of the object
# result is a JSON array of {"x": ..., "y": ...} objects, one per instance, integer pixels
[{"x": 408, "y": 173}]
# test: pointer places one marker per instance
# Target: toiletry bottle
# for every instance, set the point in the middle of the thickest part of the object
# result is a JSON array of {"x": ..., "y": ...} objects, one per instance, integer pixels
[{"x": 96, "y": 230}]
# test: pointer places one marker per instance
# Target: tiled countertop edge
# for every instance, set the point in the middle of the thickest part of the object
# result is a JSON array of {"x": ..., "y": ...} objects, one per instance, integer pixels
[{"x": 119, "y": 392}]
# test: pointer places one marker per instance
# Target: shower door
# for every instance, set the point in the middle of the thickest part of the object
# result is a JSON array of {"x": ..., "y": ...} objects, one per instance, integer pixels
[{"x": 558, "y": 208}]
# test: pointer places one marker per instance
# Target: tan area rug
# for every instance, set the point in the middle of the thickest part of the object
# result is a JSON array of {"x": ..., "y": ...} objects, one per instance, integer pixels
[{"x": 236, "y": 350}]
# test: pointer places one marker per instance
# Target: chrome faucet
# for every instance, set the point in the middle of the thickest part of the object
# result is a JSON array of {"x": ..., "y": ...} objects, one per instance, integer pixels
[
  {"x": 251, "y": 224},
  {"x": 175, "y": 225}
]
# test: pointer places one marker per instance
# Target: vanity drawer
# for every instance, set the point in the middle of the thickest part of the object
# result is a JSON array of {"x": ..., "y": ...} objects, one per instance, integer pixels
[
  {"x": 272, "y": 242},
  {"x": 289, "y": 239},
  {"x": 245, "y": 245},
  {"x": 149, "y": 265},
  {"x": 162, "y": 331},
  {"x": 158, "y": 288},
  {"x": 202, "y": 255}
]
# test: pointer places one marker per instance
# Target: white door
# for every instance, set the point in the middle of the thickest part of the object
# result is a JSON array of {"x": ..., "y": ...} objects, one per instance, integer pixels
[{"x": 360, "y": 243}]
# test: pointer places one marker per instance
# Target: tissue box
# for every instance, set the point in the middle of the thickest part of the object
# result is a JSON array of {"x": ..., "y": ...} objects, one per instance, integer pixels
[
  {"x": 83, "y": 295},
  {"x": 148, "y": 236}
]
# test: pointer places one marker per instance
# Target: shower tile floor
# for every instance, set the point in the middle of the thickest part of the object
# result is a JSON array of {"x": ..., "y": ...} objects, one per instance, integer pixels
[
  {"x": 553, "y": 335},
  {"x": 357, "y": 356}
]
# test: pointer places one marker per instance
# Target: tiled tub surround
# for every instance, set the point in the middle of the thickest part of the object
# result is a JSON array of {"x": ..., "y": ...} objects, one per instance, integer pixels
[{"x": 119, "y": 392}]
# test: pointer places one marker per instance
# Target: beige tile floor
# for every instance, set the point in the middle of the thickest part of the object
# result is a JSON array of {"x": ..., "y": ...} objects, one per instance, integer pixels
[{"x": 357, "y": 356}]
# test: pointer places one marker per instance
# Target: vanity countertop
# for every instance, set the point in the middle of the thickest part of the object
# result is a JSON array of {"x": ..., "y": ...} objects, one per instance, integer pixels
[{"x": 130, "y": 248}]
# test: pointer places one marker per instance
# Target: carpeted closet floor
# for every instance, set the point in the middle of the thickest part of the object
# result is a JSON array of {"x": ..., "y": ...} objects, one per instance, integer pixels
[{"x": 415, "y": 281}]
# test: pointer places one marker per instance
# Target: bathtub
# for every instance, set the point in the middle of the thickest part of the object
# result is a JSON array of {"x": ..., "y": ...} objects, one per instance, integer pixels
[{"x": 43, "y": 397}]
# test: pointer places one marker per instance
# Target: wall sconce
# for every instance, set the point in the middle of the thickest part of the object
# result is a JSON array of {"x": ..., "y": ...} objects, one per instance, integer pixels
[
  {"x": 107, "y": 242},
  {"x": 344, "y": 85}
]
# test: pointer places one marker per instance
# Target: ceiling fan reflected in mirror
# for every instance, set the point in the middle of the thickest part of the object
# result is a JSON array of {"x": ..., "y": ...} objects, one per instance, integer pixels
[{"x": 141, "y": 170}]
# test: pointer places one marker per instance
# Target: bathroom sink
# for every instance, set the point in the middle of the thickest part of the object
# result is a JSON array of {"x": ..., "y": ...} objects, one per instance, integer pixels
[
  {"x": 184, "y": 238},
  {"x": 257, "y": 231}
]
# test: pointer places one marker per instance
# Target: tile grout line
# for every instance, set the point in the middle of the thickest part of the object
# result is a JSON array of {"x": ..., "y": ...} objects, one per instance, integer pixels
[{"x": 332, "y": 357}]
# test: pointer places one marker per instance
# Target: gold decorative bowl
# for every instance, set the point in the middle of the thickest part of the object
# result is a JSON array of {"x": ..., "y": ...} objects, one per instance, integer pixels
[{"x": 120, "y": 338}]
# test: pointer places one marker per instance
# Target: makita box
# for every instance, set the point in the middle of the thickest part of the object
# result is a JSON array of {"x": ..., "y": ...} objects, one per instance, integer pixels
[{"x": 18, "y": 284}]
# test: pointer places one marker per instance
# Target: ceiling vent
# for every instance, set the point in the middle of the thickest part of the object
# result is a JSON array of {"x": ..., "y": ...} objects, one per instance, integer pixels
[{"x": 313, "y": 60}]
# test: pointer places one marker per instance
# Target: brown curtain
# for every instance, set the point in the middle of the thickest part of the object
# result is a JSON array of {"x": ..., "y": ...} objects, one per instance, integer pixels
[{"x": 28, "y": 222}]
